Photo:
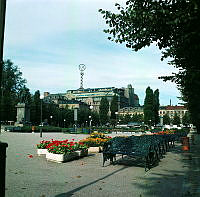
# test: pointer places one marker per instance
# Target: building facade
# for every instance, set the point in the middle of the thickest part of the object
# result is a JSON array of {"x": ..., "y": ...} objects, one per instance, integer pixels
[
  {"x": 93, "y": 96},
  {"x": 130, "y": 111},
  {"x": 172, "y": 110}
]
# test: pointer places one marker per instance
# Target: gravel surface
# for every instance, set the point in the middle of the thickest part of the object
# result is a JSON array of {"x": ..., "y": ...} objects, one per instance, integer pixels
[{"x": 36, "y": 177}]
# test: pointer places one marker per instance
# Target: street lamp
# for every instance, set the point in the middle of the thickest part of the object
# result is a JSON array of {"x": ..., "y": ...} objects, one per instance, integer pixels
[
  {"x": 116, "y": 118},
  {"x": 90, "y": 117},
  {"x": 75, "y": 118},
  {"x": 64, "y": 122},
  {"x": 41, "y": 98},
  {"x": 51, "y": 120}
]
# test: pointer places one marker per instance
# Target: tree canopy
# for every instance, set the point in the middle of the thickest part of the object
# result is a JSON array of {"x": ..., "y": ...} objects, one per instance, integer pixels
[
  {"x": 114, "y": 106},
  {"x": 103, "y": 110},
  {"x": 174, "y": 26},
  {"x": 11, "y": 87},
  {"x": 148, "y": 107}
]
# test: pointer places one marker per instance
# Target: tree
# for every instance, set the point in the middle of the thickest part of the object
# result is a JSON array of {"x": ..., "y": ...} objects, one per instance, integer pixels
[
  {"x": 174, "y": 26},
  {"x": 166, "y": 120},
  {"x": 148, "y": 107},
  {"x": 114, "y": 106},
  {"x": 156, "y": 106},
  {"x": 103, "y": 110},
  {"x": 186, "y": 120},
  {"x": 176, "y": 120},
  {"x": 12, "y": 85},
  {"x": 36, "y": 108}
]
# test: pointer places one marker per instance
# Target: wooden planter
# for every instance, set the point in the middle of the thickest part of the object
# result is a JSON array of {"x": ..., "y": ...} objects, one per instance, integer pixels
[
  {"x": 82, "y": 153},
  {"x": 97, "y": 149},
  {"x": 41, "y": 151},
  {"x": 60, "y": 158}
]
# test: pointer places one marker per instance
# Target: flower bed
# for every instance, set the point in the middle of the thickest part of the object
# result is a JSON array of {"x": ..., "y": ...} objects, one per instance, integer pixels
[
  {"x": 95, "y": 142},
  {"x": 61, "y": 151}
]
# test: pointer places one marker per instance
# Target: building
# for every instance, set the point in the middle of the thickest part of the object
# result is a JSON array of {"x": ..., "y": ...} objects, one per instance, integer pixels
[
  {"x": 72, "y": 104},
  {"x": 172, "y": 110},
  {"x": 54, "y": 98},
  {"x": 93, "y": 96},
  {"x": 130, "y": 111},
  {"x": 61, "y": 100},
  {"x": 133, "y": 98}
]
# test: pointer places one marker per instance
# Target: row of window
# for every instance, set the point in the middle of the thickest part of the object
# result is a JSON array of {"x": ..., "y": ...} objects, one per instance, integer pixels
[{"x": 172, "y": 112}]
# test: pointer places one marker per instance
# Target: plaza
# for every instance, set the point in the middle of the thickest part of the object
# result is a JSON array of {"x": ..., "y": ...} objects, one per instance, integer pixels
[{"x": 29, "y": 175}]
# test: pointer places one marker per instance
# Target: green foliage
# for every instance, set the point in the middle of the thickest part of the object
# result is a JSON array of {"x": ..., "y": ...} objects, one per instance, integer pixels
[
  {"x": 114, "y": 106},
  {"x": 103, "y": 110},
  {"x": 186, "y": 120},
  {"x": 156, "y": 106},
  {"x": 174, "y": 26},
  {"x": 166, "y": 120},
  {"x": 176, "y": 120},
  {"x": 148, "y": 107},
  {"x": 35, "y": 108},
  {"x": 11, "y": 87}
]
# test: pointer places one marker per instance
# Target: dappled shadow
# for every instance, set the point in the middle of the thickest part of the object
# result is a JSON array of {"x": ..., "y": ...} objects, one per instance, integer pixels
[
  {"x": 180, "y": 178},
  {"x": 184, "y": 182},
  {"x": 70, "y": 193}
]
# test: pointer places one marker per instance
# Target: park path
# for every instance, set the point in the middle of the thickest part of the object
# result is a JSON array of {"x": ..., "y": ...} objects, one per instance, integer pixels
[{"x": 176, "y": 175}]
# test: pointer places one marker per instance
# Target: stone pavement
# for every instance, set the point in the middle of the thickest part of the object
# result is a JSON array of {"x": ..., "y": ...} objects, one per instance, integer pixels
[
  {"x": 176, "y": 175},
  {"x": 191, "y": 185}
]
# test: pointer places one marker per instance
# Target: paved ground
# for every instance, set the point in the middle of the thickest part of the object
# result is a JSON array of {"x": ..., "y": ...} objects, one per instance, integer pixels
[{"x": 176, "y": 175}]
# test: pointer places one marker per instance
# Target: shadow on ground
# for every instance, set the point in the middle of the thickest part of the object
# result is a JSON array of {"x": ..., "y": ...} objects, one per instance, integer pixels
[
  {"x": 183, "y": 182},
  {"x": 70, "y": 193}
]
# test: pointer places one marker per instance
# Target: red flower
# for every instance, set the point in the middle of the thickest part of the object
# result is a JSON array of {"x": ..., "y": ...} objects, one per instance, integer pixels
[{"x": 30, "y": 156}]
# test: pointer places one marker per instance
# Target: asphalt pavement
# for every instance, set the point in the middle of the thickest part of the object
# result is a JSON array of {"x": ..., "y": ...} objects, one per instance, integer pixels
[{"x": 29, "y": 175}]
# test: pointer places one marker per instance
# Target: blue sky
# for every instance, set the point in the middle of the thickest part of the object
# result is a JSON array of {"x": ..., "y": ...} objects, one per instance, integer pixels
[{"x": 48, "y": 39}]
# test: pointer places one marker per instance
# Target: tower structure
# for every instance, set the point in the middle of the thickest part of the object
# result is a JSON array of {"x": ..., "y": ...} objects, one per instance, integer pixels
[{"x": 82, "y": 67}]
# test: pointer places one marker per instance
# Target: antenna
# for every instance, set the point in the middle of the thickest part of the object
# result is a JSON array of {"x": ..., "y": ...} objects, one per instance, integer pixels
[{"x": 82, "y": 67}]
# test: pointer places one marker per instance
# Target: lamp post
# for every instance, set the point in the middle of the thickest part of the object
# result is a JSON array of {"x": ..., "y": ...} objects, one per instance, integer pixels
[
  {"x": 51, "y": 120},
  {"x": 90, "y": 117},
  {"x": 41, "y": 99},
  {"x": 116, "y": 118},
  {"x": 64, "y": 122},
  {"x": 75, "y": 118}
]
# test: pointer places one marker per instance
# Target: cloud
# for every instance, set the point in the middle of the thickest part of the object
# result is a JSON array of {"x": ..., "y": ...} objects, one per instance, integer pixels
[{"x": 48, "y": 39}]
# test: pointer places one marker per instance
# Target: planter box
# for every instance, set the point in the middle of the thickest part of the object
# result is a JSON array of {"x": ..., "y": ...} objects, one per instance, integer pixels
[
  {"x": 95, "y": 149},
  {"x": 42, "y": 151},
  {"x": 60, "y": 158},
  {"x": 82, "y": 153}
]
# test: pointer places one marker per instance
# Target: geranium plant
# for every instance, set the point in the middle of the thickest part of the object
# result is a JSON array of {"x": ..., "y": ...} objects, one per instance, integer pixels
[{"x": 43, "y": 144}]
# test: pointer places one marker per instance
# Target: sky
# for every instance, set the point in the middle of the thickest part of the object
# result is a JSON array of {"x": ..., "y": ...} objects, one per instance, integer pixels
[{"x": 49, "y": 39}]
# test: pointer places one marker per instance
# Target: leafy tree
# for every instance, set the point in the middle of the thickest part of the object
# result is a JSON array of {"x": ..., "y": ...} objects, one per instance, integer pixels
[
  {"x": 139, "y": 118},
  {"x": 24, "y": 95},
  {"x": 103, "y": 110},
  {"x": 95, "y": 118},
  {"x": 186, "y": 120},
  {"x": 174, "y": 27},
  {"x": 114, "y": 106},
  {"x": 36, "y": 108},
  {"x": 166, "y": 120},
  {"x": 148, "y": 107},
  {"x": 156, "y": 106},
  {"x": 127, "y": 118},
  {"x": 176, "y": 120},
  {"x": 12, "y": 85}
]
